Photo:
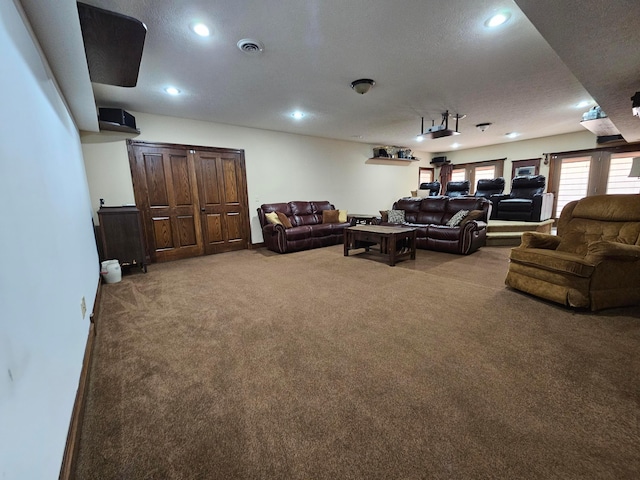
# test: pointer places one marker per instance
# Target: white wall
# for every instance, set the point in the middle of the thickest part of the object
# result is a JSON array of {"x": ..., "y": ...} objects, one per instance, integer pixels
[
  {"x": 48, "y": 259},
  {"x": 280, "y": 167},
  {"x": 524, "y": 150}
]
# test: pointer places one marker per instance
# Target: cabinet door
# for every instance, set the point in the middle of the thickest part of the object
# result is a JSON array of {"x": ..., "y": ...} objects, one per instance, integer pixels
[
  {"x": 223, "y": 200},
  {"x": 166, "y": 193}
]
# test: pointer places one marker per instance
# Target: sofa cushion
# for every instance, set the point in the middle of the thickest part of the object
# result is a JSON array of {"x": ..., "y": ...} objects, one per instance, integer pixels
[
  {"x": 553, "y": 260},
  {"x": 396, "y": 216},
  {"x": 342, "y": 218},
  {"x": 471, "y": 216},
  {"x": 272, "y": 217},
  {"x": 579, "y": 232},
  {"x": 457, "y": 218},
  {"x": 384, "y": 215},
  {"x": 330, "y": 216},
  {"x": 284, "y": 220},
  {"x": 432, "y": 210},
  {"x": 304, "y": 213}
]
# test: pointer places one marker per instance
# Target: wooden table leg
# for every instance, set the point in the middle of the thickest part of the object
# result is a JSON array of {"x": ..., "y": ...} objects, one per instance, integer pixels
[
  {"x": 392, "y": 250},
  {"x": 346, "y": 243}
]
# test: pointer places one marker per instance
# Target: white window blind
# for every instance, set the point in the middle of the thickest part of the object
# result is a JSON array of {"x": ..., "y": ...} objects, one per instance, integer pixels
[
  {"x": 619, "y": 181},
  {"x": 458, "y": 175},
  {"x": 574, "y": 178}
]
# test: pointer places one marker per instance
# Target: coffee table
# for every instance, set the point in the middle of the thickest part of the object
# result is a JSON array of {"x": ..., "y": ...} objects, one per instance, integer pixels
[{"x": 390, "y": 239}]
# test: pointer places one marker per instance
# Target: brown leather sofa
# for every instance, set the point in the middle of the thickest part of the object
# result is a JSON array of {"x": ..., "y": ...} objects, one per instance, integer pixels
[
  {"x": 430, "y": 215},
  {"x": 307, "y": 228},
  {"x": 594, "y": 260}
]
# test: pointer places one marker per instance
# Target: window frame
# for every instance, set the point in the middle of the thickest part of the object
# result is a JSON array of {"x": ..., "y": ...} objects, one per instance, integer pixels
[
  {"x": 598, "y": 171},
  {"x": 528, "y": 163},
  {"x": 470, "y": 170},
  {"x": 423, "y": 169}
]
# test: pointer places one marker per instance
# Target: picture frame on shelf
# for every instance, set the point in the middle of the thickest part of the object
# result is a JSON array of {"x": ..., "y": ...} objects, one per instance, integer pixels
[{"x": 525, "y": 167}]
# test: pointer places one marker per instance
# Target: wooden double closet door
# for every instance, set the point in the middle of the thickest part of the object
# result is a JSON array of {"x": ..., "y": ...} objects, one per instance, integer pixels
[{"x": 193, "y": 200}]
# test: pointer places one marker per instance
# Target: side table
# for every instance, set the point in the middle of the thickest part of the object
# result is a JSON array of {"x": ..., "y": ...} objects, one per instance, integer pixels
[{"x": 363, "y": 219}]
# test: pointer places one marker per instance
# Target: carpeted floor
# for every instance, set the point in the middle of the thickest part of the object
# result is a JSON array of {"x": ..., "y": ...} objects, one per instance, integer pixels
[{"x": 253, "y": 365}]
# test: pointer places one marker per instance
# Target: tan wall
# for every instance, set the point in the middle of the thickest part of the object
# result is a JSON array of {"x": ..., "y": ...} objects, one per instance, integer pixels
[
  {"x": 280, "y": 167},
  {"x": 525, "y": 149},
  {"x": 283, "y": 167}
]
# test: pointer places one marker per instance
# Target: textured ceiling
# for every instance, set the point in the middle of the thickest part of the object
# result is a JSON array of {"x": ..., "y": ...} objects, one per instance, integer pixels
[{"x": 425, "y": 56}]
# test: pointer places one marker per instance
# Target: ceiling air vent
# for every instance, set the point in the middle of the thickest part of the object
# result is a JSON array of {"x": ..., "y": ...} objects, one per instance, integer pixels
[{"x": 252, "y": 47}]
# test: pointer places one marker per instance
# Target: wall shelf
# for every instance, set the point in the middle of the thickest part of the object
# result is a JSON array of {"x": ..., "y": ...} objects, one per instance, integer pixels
[
  {"x": 396, "y": 159},
  {"x": 602, "y": 127}
]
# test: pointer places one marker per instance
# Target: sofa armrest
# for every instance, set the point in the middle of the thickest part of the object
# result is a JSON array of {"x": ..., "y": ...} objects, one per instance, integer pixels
[
  {"x": 539, "y": 240},
  {"x": 600, "y": 250},
  {"x": 275, "y": 237}
]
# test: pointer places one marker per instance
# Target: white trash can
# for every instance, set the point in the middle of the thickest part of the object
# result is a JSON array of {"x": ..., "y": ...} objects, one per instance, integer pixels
[{"x": 110, "y": 271}]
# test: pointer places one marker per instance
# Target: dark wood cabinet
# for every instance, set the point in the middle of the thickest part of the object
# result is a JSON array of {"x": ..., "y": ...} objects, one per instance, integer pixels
[{"x": 121, "y": 234}]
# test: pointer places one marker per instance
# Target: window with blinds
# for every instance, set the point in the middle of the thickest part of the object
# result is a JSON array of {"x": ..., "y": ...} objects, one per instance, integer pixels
[
  {"x": 425, "y": 175},
  {"x": 595, "y": 172},
  {"x": 574, "y": 179},
  {"x": 619, "y": 181}
]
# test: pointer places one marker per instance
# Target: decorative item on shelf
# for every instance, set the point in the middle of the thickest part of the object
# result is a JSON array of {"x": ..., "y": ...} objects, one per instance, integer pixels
[
  {"x": 391, "y": 152},
  {"x": 593, "y": 113}
]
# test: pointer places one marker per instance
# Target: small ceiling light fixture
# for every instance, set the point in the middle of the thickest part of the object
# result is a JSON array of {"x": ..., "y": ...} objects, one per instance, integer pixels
[
  {"x": 298, "y": 115},
  {"x": 363, "y": 85},
  {"x": 250, "y": 46},
  {"x": 483, "y": 126},
  {"x": 512, "y": 134},
  {"x": 200, "y": 29},
  {"x": 498, "y": 19},
  {"x": 455, "y": 145},
  {"x": 172, "y": 91},
  {"x": 583, "y": 104}
]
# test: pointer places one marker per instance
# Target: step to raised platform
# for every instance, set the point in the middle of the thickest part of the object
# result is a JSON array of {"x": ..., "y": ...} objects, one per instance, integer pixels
[{"x": 509, "y": 233}]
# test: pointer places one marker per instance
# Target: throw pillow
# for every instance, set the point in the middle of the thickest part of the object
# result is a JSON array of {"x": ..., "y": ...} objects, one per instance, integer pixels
[
  {"x": 423, "y": 193},
  {"x": 457, "y": 218},
  {"x": 473, "y": 215},
  {"x": 272, "y": 217},
  {"x": 396, "y": 216},
  {"x": 414, "y": 193},
  {"x": 342, "y": 218},
  {"x": 284, "y": 220},
  {"x": 330, "y": 216},
  {"x": 384, "y": 215}
]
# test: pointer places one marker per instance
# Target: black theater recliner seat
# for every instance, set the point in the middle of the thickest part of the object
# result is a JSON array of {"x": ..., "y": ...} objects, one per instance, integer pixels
[
  {"x": 527, "y": 201},
  {"x": 432, "y": 187},
  {"x": 489, "y": 186},
  {"x": 458, "y": 189}
]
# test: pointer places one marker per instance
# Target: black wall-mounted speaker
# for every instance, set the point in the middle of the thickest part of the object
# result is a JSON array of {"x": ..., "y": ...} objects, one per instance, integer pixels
[
  {"x": 439, "y": 160},
  {"x": 117, "y": 116}
]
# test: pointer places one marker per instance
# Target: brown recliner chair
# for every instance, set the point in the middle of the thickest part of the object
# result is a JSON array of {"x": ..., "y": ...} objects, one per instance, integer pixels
[{"x": 593, "y": 262}]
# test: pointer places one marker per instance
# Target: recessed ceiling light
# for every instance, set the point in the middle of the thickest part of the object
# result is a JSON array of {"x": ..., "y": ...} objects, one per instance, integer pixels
[
  {"x": 172, "y": 91},
  {"x": 200, "y": 29},
  {"x": 297, "y": 115},
  {"x": 498, "y": 19},
  {"x": 419, "y": 138},
  {"x": 455, "y": 145},
  {"x": 583, "y": 104},
  {"x": 512, "y": 134}
]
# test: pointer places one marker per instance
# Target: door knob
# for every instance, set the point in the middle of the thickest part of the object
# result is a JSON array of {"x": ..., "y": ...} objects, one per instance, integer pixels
[{"x": 202, "y": 210}]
